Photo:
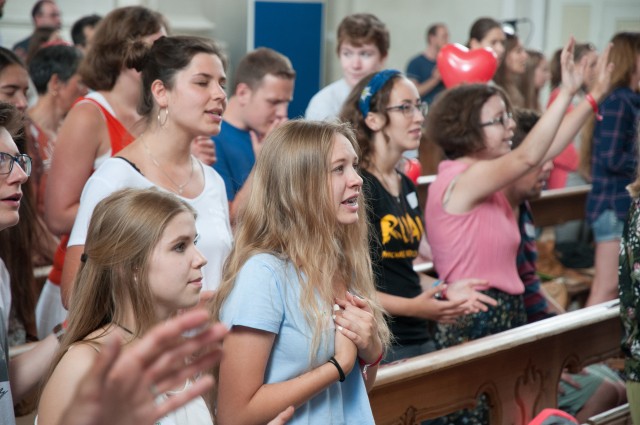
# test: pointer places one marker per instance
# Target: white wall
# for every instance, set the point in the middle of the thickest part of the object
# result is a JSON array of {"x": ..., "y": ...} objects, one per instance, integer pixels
[
  {"x": 407, "y": 21},
  {"x": 553, "y": 21}
]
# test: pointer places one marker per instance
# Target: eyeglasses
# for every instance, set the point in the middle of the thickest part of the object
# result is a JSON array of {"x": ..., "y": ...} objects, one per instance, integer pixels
[
  {"x": 7, "y": 160},
  {"x": 502, "y": 119},
  {"x": 408, "y": 109}
]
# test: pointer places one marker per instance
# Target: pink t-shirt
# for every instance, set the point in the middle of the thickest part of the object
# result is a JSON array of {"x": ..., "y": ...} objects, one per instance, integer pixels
[{"x": 482, "y": 243}]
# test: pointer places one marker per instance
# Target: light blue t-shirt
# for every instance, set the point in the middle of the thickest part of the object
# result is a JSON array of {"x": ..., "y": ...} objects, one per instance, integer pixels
[{"x": 266, "y": 296}]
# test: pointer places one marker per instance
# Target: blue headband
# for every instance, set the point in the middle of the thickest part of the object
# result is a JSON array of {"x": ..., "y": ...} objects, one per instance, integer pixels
[{"x": 376, "y": 83}]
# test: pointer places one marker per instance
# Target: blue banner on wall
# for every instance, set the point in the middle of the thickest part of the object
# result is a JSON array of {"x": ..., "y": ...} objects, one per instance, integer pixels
[{"x": 295, "y": 30}]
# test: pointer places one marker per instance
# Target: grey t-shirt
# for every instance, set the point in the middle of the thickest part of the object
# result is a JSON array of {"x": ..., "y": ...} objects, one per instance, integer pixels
[{"x": 7, "y": 417}]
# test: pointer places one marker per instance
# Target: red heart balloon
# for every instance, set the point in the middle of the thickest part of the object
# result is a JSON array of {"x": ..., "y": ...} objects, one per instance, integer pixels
[
  {"x": 412, "y": 169},
  {"x": 458, "y": 65}
]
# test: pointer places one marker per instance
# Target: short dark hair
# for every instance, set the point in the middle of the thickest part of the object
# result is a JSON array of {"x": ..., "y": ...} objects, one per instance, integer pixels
[
  {"x": 433, "y": 30},
  {"x": 77, "y": 30},
  {"x": 525, "y": 119},
  {"x": 37, "y": 7},
  {"x": 255, "y": 65},
  {"x": 453, "y": 122},
  {"x": 58, "y": 59}
]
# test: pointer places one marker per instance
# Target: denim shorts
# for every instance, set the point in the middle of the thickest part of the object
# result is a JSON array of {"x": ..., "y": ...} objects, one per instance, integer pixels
[{"x": 607, "y": 227}]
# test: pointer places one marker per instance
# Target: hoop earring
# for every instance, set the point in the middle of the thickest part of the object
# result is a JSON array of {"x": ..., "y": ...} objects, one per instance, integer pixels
[{"x": 163, "y": 121}]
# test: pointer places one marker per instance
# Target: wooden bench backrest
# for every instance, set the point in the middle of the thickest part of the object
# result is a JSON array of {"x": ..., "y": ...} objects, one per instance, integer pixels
[
  {"x": 617, "y": 416},
  {"x": 518, "y": 369}
]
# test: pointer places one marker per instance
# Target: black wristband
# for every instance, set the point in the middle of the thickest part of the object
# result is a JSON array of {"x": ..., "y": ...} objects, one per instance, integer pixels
[{"x": 337, "y": 365}]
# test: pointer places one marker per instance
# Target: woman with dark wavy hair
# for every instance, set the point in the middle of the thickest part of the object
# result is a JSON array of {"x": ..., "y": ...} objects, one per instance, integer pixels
[{"x": 471, "y": 226}]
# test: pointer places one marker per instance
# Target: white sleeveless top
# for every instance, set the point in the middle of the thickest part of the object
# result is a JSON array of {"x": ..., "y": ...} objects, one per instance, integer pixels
[
  {"x": 94, "y": 95},
  {"x": 194, "y": 413}
]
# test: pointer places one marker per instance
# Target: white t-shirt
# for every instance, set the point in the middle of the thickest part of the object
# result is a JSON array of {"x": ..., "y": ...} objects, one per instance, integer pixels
[
  {"x": 195, "y": 412},
  {"x": 212, "y": 207},
  {"x": 327, "y": 103}
]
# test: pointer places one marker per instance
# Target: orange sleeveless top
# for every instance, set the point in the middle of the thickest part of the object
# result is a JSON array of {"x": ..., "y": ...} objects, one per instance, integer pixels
[{"x": 119, "y": 137}]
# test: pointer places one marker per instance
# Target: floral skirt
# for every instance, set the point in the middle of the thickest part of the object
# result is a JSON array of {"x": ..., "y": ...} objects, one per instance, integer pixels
[{"x": 508, "y": 314}]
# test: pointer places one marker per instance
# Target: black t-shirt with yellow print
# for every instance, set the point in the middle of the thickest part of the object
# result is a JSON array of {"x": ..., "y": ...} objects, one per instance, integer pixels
[{"x": 396, "y": 228}]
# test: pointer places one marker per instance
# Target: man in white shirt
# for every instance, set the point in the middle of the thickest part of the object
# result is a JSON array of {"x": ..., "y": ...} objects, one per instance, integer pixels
[{"x": 363, "y": 45}]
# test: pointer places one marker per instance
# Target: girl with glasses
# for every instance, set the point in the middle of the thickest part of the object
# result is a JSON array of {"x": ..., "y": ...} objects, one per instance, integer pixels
[
  {"x": 387, "y": 114},
  {"x": 28, "y": 368},
  {"x": 471, "y": 226},
  {"x": 28, "y": 244},
  {"x": 14, "y": 171}
]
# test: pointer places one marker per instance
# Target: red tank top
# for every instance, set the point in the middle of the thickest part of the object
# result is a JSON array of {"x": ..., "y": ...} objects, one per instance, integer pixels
[{"x": 119, "y": 137}]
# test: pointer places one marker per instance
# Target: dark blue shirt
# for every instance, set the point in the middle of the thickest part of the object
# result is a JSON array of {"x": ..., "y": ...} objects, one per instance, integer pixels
[
  {"x": 614, "y": 157},
  {"x": 235, "y": 157},
  {"x": 420, "y": 69}
]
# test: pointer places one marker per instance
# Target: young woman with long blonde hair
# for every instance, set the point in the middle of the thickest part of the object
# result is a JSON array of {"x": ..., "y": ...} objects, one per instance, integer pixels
[
  {"x": 297, "y": 290},
  {"x": 139, "y": 267}
]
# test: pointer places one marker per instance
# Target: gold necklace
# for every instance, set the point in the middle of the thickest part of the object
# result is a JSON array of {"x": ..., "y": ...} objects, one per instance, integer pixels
[{"x": 180, "y": 187}]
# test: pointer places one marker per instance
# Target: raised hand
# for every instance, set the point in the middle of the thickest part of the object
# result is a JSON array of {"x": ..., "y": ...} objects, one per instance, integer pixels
[
  {"x": 121, "y": 387},
  {"x": 257, "y": 140},
  {"x": 572, "y": 74},
  {"x": 604, "y": 68}
]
